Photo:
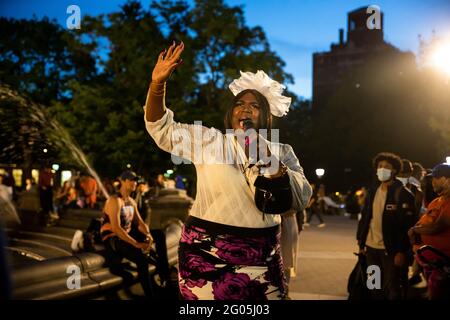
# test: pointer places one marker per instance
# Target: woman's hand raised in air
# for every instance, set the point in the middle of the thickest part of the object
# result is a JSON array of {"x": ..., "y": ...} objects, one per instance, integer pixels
[{"x": 168, "y": 60}]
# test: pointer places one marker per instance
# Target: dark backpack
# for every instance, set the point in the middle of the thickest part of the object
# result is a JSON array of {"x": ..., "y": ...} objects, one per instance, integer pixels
[{"x": 357, "y": 281}]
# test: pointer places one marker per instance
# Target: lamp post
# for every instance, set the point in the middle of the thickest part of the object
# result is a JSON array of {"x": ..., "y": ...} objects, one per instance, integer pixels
[{"x": 320, "y": 172}]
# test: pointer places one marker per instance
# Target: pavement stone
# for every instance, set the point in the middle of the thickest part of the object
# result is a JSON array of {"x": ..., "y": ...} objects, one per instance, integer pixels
[{"x": 325, "y": 260}]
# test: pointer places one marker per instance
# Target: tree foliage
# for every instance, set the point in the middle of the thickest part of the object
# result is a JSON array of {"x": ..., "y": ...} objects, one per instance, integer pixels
[
  {"x": 104, "y": 111},
  {"x": 94, "y": 82}
]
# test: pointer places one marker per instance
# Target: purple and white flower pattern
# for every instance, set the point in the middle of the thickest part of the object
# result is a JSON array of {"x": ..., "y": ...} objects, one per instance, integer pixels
[{"x": 217, "y": 266}]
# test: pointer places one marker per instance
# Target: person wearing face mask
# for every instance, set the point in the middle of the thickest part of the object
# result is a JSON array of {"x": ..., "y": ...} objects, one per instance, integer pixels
[
  {"x": 382, "y": 231},
  {"x": 405, "y": 173},
  {"x": 415, "y": 185},
  {"x": 433, "y": 229},
  {"x": 404, "y": 177}
]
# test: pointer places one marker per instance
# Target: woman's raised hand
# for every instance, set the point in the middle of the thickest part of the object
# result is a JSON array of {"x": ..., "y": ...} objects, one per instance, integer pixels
[{"x": 168, "y": 60}]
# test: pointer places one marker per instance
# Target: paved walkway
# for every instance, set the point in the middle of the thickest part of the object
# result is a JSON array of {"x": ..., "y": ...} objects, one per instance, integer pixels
[{"x": 325, "y": 260}]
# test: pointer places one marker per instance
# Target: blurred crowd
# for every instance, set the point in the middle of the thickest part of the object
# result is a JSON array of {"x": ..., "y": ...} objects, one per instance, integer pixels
[{"x": 80, "y": 191}]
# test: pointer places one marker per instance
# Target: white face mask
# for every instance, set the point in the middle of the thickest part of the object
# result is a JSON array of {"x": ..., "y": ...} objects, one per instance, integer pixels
[
  {"x": 414, "y": 181},
  {"x": 403, "y": 180},
  {"x": 383, "y": 174}
]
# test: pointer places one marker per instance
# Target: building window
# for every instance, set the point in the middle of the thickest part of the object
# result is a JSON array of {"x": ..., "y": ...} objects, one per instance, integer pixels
[{"x": 352, "y": 25}]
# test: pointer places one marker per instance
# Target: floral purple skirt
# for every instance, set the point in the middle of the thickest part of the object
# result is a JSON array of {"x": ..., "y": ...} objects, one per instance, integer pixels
[{"x": 221, "y": 262}]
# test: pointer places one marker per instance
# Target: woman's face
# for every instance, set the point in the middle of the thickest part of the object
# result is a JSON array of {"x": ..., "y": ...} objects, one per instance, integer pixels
[
  {"x": 129, "y": 185},
  {"x": 246, "y": 108}
]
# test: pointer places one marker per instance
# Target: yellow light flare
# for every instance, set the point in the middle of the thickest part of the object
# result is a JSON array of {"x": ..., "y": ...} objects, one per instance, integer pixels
[{"x": 440, "y": 57}]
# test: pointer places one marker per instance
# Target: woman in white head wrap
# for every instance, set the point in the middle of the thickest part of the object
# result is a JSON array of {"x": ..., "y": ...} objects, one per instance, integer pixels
[{"x": 229, "y": 249}]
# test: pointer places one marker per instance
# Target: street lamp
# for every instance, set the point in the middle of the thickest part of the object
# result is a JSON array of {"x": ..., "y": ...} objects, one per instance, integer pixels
[{"x": 320, "y": 172}]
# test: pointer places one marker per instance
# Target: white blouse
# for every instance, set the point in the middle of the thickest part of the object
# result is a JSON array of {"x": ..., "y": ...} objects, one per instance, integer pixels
[{"x": 223, "y": 194}]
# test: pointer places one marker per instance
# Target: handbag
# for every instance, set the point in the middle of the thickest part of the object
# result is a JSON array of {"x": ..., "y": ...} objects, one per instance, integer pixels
[
  {"x": 273, "y": 196},
  {"x": 357, "y": 281}
]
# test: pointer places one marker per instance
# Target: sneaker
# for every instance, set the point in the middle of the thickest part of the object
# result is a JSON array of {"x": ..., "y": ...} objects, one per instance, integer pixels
[
  {"x": 321, "y": 225},
  {"x": 77, "y": 241},
  {"x": 53, "y": 215}
]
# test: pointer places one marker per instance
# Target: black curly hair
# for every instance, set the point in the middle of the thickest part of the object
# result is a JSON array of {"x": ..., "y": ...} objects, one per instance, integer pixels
[
  {"x": 407, "y": 166},
  {"x": 390, "y": 157}
]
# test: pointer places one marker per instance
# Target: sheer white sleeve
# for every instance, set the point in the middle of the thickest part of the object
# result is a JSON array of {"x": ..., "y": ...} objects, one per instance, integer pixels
[
  {"x": 301, "y": 189},
  {"x": 191, "y": 142}
]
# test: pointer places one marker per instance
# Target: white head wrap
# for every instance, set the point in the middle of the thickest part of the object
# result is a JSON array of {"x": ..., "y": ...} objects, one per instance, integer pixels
[{"x": 271, "y": 89}]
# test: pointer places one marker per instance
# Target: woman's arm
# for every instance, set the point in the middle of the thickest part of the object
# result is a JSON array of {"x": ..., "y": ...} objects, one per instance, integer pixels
[
  {"x": 142, "y": 226},
  {"x": 168, "y": 60},
  {"x": 442, "y": 222},
  {"x": 301, "y": 189},
  {"x": 71, "y": 195},
  {"x": 184, "y": 141},
  {"x": 430, "y": 228},
  {"x": 112, "y": 209}
]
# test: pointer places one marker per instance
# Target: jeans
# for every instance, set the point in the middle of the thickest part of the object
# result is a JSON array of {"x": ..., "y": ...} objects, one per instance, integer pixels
[
  {"x": 314, "y": 210},
  {"x": 117, "y": 250}
]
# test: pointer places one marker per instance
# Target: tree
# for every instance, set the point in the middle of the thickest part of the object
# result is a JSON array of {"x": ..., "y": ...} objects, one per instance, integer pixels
[
  {"x": 219, "y": 44},
  {"x": 107, "y": 116},
  {"x": 39, "y": 58},
  {"x": 110, "y": 112},
  {"x": 100, "y": 73}
]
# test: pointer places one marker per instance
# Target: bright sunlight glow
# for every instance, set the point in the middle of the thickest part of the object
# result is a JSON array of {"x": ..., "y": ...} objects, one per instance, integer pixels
[{"x": 440, "y": 57}]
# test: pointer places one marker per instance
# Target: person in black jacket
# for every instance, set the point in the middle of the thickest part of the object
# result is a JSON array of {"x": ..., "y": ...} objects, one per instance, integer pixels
[{"x": 382, "y": 234}]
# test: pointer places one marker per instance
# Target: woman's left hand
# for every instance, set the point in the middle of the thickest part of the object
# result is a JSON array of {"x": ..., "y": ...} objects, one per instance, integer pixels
[
  {"x": 281, "y": 171},
  {"x": 149, "y": 238},
  {"x": 274, "y": 169}
]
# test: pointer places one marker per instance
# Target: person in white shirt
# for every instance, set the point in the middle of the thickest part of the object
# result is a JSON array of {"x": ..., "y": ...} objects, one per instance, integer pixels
[{"x": 229, "y": 249}]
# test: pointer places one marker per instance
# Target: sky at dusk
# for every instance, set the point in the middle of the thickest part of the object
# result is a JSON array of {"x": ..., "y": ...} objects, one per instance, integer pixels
[{"x": 295, "y": 28}]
